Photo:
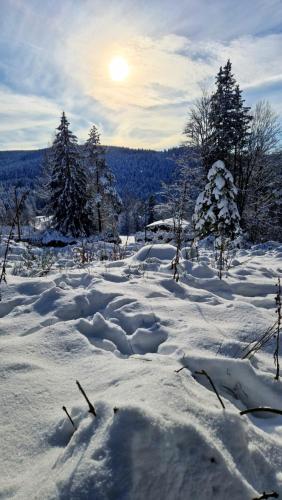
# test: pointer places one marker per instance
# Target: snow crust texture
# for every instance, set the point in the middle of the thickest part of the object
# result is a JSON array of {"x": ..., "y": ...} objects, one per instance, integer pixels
[{"x": 124, "y": 329}]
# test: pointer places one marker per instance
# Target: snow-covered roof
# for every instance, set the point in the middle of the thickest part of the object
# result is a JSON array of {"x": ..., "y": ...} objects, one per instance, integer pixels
[{"x": 167, "y": 222}]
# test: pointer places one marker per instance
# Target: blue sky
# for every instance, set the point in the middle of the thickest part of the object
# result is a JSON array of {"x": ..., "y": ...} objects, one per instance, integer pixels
[{"x": 54, "y": 56}]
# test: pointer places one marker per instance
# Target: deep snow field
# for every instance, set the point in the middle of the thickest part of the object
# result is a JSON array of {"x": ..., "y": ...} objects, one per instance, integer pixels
[{"x": 122, "y": 329}]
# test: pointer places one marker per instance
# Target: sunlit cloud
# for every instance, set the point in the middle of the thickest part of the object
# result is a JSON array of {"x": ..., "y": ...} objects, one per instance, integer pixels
[{"x": 57, "y": 58}]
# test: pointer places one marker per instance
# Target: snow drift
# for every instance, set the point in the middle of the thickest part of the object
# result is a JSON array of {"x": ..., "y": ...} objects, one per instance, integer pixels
[{"x": 159, "y": 433}]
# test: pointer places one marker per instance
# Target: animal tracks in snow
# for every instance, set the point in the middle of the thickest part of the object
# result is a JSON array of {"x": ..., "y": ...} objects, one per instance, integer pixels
[
  {"x": 125, "y": 328},
  {"x": 122, "y": 315},
  {"x": 109, "y": 320}
]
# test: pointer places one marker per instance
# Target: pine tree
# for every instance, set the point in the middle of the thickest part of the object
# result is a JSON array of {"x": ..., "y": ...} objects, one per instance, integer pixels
[
  {"x": 230, "y": 121},
  {"x": 222, "y": 113},
  {"x": 104, "y": 202},
  {"x": 68, "y": 185},
  {"x": 216, "y": 211}
]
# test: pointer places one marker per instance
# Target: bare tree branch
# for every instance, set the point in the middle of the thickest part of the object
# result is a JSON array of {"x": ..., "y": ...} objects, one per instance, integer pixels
[
  {"x": 68, "y": 415},
  {"x": 260, "y": 409},
  {"x": 203, "y": 372},
  {"x": 91, "y": 407}
]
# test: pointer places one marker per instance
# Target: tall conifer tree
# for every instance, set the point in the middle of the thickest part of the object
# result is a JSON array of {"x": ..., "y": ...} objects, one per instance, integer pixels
[
  {"x": 230, "y": 122},
  {"x": 104, "y": 202},
  {"x": 68, "y": 185}
]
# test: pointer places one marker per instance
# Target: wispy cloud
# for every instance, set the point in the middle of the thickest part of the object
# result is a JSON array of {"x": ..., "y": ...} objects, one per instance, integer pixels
[
  {"x": 56, "y": 57},
  {"x": 24, "y": 120}
]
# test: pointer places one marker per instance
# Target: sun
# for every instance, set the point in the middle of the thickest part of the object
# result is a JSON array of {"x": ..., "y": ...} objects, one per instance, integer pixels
[{"x": 118, "y": 69}]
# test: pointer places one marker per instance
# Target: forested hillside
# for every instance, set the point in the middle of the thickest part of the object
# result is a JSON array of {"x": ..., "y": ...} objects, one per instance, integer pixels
[{"x": 137, "y": 171}]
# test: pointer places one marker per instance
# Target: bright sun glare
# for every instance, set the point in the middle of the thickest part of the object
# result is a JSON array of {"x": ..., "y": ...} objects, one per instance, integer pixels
[{"x": 118, "y": 69}]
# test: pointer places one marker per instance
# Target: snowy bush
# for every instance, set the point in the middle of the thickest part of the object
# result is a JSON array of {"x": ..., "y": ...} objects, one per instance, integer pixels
[
  {"x": 84, "y": 253},
  {"x": 34, "y": 263}
]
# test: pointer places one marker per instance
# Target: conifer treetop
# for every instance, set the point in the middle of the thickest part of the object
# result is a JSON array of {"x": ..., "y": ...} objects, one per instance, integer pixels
[
  {"x": 94, "y": 136},
  {"x": 229, "y": 118}
]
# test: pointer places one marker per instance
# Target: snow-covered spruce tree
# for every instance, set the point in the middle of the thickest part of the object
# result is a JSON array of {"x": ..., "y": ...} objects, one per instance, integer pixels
[
  {"x": 216, "y": 211},
  {"x": 104, "y": 202},
  {"x": 218, "y": 129},
  {"x": 68, "y": 185}
]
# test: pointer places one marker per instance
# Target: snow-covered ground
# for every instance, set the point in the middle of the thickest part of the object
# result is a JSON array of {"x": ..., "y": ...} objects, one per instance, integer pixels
[{"x": 122, "y": 329}]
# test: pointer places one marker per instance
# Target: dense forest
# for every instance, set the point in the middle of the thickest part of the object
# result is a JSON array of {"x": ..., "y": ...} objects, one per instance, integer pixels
[{"x": 138, "y": 171}]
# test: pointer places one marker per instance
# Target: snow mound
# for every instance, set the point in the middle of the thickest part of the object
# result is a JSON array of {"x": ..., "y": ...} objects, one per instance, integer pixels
[
  {"x": 238, "y": 382},
  {"x": 124, "y": 334},
  {"x": 134, "y": 445},
  {"x": 161, "y": 252},
  {"x": 159, "y": 449}
]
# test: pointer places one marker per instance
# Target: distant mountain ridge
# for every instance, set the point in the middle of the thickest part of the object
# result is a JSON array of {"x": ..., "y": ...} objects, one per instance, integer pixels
[{"x": 138, "y": 171}]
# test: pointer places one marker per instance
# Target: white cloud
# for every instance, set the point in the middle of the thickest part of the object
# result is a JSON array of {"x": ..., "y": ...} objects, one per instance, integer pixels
[
  {"x": 254, "y": 59},
  {"x": 29, "y": 119},
  {"x": 68, "y": 47},
  {"x": 165, "y": 71}
]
